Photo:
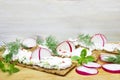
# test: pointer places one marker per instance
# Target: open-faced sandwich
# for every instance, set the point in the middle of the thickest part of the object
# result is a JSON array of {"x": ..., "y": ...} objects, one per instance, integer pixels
[
  {"x": 49, "y": 56},
  {"x": 37, "y": 54}
]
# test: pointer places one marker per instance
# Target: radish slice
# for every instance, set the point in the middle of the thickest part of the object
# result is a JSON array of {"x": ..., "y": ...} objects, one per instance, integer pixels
[
  {"x": 92, "y": 65},
  {"x": 65, "y": 47},
  {"x": 99, "y": 40},
  {"x": 112, "y": 68},
  {"x": 29, "y": 42},
  {"x": 44, "y": 53},
  {"x": 104, "y": 57},
  {"x": 86, "y": 71},
  {"x": 40, "y": 53}
]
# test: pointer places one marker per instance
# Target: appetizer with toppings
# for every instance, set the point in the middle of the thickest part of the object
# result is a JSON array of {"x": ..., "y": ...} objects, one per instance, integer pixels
[{"x": 59, "y": 57}]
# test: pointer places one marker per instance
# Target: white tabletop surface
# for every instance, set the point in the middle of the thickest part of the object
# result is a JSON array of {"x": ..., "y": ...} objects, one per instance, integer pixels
[{"x": 62, "y": 18}]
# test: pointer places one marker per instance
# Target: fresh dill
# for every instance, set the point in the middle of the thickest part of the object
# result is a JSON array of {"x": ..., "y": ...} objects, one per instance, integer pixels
[
  {"x": 13, "y": 48},
  {"x": 52, "y": 43},
  {"x": 5, "y": 64},
  {"x": 39, "y": 40},
  {"x": 85, "y": 39},
  {"x": 115, "y": 59}
]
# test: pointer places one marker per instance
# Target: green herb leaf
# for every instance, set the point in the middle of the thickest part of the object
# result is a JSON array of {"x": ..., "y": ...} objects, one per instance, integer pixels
[
  {"x": 6, "y": 65},
  {"x": 117, "y": 59},
  {"x": 114, "y": 59},
  {"x": 83, "y": 57},
  {"x": 86, "y": 39},
  {"x": 88, "y": 59},
  {"x": 13, "y": 48},
  {"x": 12, "y": 69},
  {"x": 52, "y": 43},
  {"x": 1, "y": 64},
  {"x": 75, "y": 58},
  {"x": 83, "y": 53},
  {"x": 111, "y": 59},
  {"x": 39, "y": 40},
  {"x": 2, "y": 67},
  {"x": 80, "y": 61}
]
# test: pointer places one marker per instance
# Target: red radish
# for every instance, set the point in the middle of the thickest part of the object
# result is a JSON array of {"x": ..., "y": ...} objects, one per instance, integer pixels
[
  {"x": 40, "y": 53},
  {"x": 66, "y": 46},
  {"x": 86, "y": 71},
  {"x": 104, "y": 57},
  {"x": 92, "y": 65},
  {"x": 112, "y": 68},
  {"x": 99, "y": 40}
]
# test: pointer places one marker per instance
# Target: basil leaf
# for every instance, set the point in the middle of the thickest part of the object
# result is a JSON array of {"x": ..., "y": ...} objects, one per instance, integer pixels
[
  {"x": 1, "y": 64},
  {"x": 2, "y": 67},
  {"x": 89, "y": 58},
  {"x": 75, "y": 58},
  {"x": 12, "y": 69},
  {"x": 80, "y": 61},
  {"x": 83, "y": 53}
]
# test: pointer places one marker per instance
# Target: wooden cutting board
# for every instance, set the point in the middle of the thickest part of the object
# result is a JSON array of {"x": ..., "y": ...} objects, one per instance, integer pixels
[{"x": 29, "y": 74}]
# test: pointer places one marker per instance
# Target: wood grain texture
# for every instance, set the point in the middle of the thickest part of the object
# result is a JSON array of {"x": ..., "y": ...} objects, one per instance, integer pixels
[
  {"x": 62, "y": 18},
  {"x": 31, "y": 74},
  {"x": 52, "y": 71}
]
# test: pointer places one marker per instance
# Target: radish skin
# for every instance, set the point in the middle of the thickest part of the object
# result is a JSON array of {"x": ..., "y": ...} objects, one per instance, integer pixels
[
  {"x": 69, "y": 46},
  {"x": 65, "y": 48},
  {"x": 112, "y": 68},
  {"x": 99, "y": 40},
  {"x": 104, "y": 57},
  {"x": 86, "y": 71},
  {"x": 40, "y": 53},
  {"x": 92, "y": 65}
]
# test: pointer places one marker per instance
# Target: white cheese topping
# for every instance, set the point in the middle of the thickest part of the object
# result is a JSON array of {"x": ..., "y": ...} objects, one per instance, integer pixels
[
  {"x": 23, "y": 56},
  {"x": 77, "y": 52},
  {"x": 110, "y": 47},
  {"x": 55, "y": 63},
  {"x": 65, "y": 53}
]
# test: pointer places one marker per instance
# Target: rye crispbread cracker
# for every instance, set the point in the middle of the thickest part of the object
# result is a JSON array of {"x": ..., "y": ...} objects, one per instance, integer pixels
[{"x": 62, "y": 72}]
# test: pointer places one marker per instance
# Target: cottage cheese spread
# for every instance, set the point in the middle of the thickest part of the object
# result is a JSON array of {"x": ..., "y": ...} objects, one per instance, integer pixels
[{"x": 55, "y": 63}]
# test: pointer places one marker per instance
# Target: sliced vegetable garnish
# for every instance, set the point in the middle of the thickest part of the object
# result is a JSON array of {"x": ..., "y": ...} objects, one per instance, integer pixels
[
  {"x": 86, "y": 71},
  {"x": 112, "y": 68}
]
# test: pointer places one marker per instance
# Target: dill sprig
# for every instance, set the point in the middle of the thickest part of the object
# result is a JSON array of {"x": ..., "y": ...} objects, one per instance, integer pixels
[
  {"x": 39, "y": 40},
  {"x": 13, "y": 48},
  {"x": 115, "y": 59},
  {"x": 5, "y": 64},
  {"x": 52, "y": 43},
  {"x": 85, "y": 39}
]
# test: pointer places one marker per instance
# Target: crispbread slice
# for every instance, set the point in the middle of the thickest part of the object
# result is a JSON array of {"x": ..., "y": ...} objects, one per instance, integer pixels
[{"x": 62, "y": 72}]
